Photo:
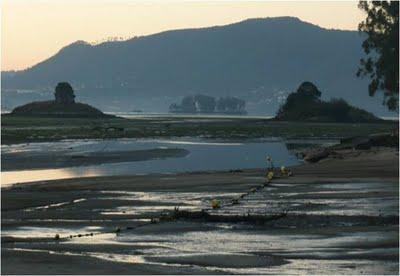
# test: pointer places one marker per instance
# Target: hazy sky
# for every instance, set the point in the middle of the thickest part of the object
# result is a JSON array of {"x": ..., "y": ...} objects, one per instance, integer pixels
[{"x": 33, "y": 30}]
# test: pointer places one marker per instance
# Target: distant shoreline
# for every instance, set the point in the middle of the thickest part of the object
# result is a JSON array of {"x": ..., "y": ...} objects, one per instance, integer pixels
[
  {"x": 209, "y": 115},
  {"x": 197, "y": 115}
]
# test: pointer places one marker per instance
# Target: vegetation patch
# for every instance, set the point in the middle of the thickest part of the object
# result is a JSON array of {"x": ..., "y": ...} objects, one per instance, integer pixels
[
  {"x": 64, "y": 105},
  {"x": 306, "y": 105}
]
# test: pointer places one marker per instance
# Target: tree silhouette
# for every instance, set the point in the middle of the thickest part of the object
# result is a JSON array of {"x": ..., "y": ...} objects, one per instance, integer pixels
[
  {"x": 64, "y": 93},
  {"x": 205, "y": 104},
  {"x": 306, "y": 105},
  {"x": 188, "y": 104},
  {"x": 382, "y": 49},
  {"x": 231, "y": 105}
]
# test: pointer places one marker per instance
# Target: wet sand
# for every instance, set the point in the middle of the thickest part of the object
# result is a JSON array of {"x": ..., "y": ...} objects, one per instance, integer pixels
[{"x": 342, "y": 218}]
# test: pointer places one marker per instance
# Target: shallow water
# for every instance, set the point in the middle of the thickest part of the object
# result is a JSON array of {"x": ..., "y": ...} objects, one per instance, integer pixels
[
  {"x": 204, "y": 155},
  {"x": 346, "y": 245},
  {"x": 246, "y": 248}
]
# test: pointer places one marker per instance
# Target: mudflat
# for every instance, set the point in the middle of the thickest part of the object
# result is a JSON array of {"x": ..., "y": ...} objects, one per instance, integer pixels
[
  {"x": 341, "y": 217},
  {"x": 17, "y": 129}
]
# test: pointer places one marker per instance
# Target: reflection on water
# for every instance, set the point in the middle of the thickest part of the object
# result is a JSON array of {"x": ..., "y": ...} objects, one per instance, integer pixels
[
  {"x": 12, "y": 177},
  {"x": 347, "y": 244},
  {"x": 204, "y": 155}
]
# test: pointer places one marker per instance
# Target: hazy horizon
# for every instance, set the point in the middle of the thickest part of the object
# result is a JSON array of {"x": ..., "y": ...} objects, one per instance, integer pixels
[{"x": 56, "y": 24}]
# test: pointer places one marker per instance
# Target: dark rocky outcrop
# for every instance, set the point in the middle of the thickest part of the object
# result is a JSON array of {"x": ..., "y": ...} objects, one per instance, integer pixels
[
  {"x": 316, "y": 155},
  {"x": 375, "y": 140},
  {"x": 357, "y": 143}
]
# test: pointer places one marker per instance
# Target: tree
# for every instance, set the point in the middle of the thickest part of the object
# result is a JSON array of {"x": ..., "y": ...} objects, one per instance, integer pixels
[
  {"x": 64, "y": 94},
  {"x": 307, "y": 91},
  {"x": 306, "y": 105},
  {"x": 382, "y": 49},
  {"x": 307, "y": 94},
  {"x": 188, "y": 105},
  {"x": 205, "y": 104},
  {"x": 231, "y": 105},
  {"x": 174, "y": 108}
]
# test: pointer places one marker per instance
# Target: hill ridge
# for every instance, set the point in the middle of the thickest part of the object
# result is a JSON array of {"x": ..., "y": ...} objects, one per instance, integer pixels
[{"x": 266, "y": 55}]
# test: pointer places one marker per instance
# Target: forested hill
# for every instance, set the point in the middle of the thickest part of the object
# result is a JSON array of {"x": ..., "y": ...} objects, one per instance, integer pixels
[{"x": 258, "y": 60}]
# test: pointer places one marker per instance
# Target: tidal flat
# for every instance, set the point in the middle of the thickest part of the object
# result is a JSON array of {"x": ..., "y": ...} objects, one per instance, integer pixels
[
  {"x": 336, "y": 216},
  {"x": 19, "y": 129},
  {"x": 341, "y": 218}
]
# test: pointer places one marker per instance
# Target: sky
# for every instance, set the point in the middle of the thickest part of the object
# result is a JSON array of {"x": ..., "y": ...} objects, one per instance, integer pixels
[{"x": 34, "y": 30}]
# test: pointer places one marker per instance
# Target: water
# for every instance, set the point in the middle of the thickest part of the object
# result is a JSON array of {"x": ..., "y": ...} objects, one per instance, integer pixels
[
  {"x": 204, "y": 155},
  {"x": 346, "y": 244},
  {"x": 135, "y": 115}
]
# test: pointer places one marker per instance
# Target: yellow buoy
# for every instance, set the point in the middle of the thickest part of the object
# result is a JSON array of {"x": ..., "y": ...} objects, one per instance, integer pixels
[
  {"x": 215, "y": 204},
  {"x": 270, "y": 175}
]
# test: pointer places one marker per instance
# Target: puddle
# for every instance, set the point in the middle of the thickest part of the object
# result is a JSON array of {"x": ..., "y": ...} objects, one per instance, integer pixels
[{"x": 55, "y": 205}]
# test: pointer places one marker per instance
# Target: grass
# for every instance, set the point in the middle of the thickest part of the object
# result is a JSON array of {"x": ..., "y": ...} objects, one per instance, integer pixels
[{"x": 16, "y": 129}]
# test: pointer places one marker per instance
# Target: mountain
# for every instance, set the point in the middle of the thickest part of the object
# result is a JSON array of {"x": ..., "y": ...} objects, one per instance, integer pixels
[{"x": 258, "y": 60}]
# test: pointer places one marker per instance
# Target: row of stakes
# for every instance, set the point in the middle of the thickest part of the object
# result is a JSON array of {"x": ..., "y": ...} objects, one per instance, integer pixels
[
  {"x": 215, "y": 203},
  {"x": 116, "y": 231},
  {"x": 270, "y": 175}
]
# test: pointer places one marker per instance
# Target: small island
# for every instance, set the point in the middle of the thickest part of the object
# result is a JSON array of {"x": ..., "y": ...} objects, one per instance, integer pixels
[
  {"x": 306, "y": 105},
  {"x": 64, "y": 105},
  {"x": 202, "y": 104}
]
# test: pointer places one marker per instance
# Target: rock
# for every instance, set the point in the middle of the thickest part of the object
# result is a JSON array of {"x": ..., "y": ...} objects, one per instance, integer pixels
[
  {"x": 366, "y": 142},
  {"x": 316, "y": 155},
  {"x": 385, "y": 140},
  {"x": 364, "y": 145}
]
